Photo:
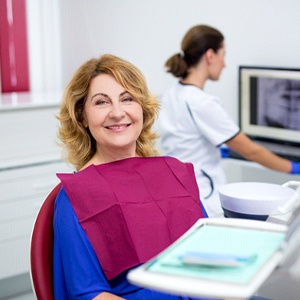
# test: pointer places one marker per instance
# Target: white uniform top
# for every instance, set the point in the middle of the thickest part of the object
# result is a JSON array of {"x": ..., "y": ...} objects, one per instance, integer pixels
[{"x": 192, "y": 125}]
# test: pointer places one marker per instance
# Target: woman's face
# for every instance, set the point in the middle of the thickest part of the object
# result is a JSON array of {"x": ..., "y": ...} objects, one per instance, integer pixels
[{"x": 113, "y": 116}]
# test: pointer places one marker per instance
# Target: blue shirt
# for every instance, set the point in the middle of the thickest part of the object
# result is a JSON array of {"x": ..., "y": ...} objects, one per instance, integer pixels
[{"x": 77, "y": 272}]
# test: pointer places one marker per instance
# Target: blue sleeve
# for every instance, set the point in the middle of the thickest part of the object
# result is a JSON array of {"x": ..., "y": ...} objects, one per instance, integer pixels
[{"x": 77, "y": 272}]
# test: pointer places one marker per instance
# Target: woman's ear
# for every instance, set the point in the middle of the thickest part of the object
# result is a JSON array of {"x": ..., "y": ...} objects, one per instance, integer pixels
[
  {"x": 209, "y": 55},
  {"x": 84, "y": 122}
]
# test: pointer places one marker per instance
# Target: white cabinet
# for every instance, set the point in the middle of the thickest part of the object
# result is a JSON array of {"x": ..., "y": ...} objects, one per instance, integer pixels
[
  {"x": 28, "y": 134},
  {"x": 29, "y": 161},
  {"x": 22, "y": 193}
]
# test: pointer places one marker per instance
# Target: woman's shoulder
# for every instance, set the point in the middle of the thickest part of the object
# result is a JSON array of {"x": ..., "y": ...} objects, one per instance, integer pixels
[
  {"x": 62, "y": 202},
  {"x": 199, "y": 98}
]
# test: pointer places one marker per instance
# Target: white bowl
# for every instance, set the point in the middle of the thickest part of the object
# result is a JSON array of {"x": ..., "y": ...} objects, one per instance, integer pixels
[{"x": 255, "y": 200}]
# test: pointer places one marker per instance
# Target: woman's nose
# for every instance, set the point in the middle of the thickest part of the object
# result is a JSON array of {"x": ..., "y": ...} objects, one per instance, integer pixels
[{"x": 117, "y": 111}]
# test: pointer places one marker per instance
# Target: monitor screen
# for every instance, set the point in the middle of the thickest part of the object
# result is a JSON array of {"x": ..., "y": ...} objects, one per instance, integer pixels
[{"x": 269, "y": 100}]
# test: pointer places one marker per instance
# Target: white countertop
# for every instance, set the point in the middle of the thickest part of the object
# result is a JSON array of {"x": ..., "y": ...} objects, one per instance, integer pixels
[{"x": 29, "y": 100}]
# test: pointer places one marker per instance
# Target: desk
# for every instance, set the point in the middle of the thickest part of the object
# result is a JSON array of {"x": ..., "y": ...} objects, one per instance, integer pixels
[{"x": 238, "y": 170}]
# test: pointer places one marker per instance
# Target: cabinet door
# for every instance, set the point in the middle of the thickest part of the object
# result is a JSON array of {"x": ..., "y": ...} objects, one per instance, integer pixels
[{"x": 23, "y": 190}]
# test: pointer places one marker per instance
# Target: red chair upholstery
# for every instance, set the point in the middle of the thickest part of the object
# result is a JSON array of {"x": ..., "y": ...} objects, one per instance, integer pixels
[{"x": 41, "y": 249}]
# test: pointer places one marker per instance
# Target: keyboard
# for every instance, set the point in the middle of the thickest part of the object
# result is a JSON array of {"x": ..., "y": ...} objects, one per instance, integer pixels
[
  {"x": 235, "y": 155},
  {"x": 290, "y": 157}
]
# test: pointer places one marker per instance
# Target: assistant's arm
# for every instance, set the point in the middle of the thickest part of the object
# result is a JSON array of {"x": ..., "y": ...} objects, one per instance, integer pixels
[{"x": 254, "y": 152}]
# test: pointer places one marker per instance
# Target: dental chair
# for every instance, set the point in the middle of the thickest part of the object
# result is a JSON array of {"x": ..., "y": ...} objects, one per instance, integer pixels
[{"x": 41, "y": 249}]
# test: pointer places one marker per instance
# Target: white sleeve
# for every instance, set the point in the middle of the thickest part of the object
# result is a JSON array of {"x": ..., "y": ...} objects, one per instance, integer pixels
[{"x": 212, "y": 120}]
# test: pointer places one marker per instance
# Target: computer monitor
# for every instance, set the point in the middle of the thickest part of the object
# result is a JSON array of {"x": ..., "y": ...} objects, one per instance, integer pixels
[{"x": 269, "y": 104}]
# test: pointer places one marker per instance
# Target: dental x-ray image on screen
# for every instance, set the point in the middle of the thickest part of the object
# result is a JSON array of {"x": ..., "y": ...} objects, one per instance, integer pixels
[{"x": 278, "y": 103}]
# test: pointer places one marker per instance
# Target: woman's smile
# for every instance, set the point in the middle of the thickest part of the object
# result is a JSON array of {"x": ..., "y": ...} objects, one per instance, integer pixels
[{"x": 118, "y": 127}]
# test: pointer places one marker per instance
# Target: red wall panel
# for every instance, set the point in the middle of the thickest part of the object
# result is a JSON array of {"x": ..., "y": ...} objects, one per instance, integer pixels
[{"x": 13, "y": 46}]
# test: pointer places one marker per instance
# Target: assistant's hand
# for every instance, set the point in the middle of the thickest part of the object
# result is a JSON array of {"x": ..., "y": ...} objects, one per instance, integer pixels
[
  {"x": 224, "y": 151},
  {"x": 295, "y": 167}
]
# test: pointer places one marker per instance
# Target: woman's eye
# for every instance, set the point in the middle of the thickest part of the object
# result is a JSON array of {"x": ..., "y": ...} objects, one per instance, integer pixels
[
  {"x": 128, "y": 99},
  {"x": 101, "y": 102}
]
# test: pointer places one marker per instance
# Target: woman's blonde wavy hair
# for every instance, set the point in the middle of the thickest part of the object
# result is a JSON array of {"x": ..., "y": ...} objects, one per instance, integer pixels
[{"x": 79, "y": 145}]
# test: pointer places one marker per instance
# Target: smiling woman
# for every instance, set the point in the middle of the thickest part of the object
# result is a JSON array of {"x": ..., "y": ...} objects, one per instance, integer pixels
[
  {"x": 91, "y": 89},
  {"x": 125, "y": 204}
]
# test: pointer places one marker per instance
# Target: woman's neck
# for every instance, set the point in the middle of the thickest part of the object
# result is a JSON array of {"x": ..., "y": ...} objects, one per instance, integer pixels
[
  {"x": 103, "y": 157},
  {"x": 197, "y": 75},
  {"x": 193, "y": 82},
  {"x": 195, "y": 78}
]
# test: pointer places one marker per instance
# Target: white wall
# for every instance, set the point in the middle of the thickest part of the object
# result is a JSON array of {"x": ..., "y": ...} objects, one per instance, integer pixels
[
  {"x": 43, "y": 27},
  {"x": 148, "y": 32}
]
